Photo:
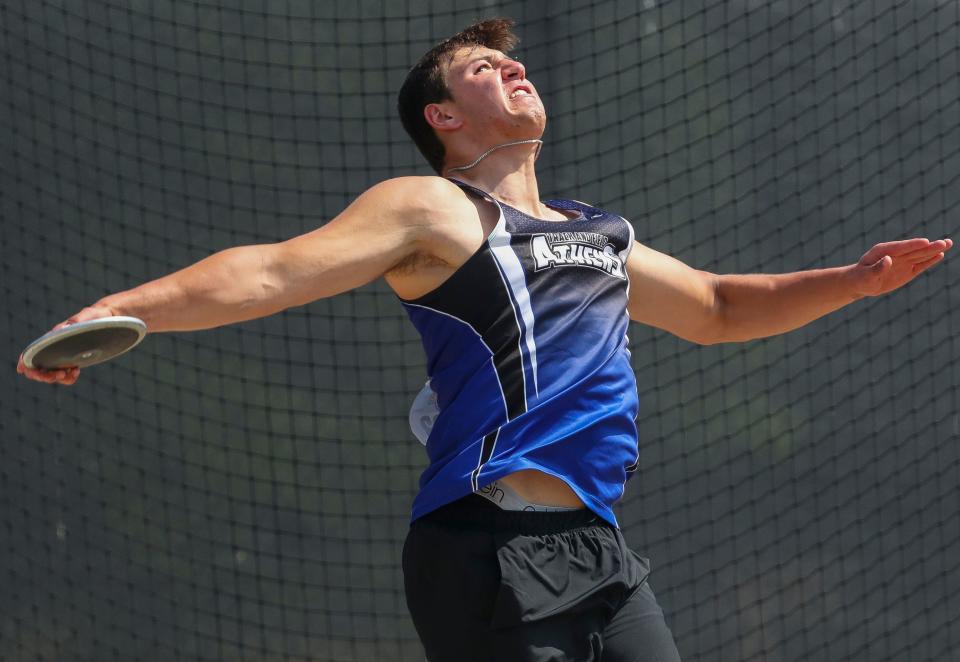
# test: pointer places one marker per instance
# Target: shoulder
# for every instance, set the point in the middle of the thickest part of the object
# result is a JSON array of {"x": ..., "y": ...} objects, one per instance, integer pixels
[
  {"x": 418, "y": 194},
  {"x": 426, "y": 209}
]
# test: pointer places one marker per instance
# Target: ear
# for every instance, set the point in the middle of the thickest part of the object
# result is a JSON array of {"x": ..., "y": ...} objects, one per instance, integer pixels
[{"x": 438, "y": 115}]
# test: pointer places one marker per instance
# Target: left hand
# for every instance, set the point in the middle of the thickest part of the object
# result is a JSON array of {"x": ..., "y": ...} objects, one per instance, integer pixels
[{"x": 890, "y": 265}]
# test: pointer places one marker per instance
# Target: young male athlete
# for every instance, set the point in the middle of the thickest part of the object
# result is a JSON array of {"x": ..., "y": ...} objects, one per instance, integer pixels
[{"x": 513, "y": 553}]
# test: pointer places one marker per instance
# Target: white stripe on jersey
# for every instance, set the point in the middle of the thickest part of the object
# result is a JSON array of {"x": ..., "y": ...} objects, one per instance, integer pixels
[{"x": 499, "y": 241}]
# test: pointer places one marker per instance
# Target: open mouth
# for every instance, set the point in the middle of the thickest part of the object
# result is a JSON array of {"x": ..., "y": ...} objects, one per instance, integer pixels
[{"x": 519, "y": 92}]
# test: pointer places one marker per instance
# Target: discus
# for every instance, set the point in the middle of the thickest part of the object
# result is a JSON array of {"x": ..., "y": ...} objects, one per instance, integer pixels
[{"x": 84, "y": 343}]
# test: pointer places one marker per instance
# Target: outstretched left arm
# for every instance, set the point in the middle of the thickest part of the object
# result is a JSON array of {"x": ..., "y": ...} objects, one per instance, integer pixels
[{"x": 707, "y": 308}]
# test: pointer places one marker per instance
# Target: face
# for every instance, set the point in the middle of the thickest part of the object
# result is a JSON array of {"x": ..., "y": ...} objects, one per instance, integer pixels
[{"x": 491, "y": 95}]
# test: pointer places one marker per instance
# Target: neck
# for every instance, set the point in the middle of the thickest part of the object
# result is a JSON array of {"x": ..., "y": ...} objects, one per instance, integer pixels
[{"x": 508, "y": 174}]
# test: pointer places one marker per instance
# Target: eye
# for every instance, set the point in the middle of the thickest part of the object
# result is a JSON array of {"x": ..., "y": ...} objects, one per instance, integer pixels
[{"x": 482, "y": 67}]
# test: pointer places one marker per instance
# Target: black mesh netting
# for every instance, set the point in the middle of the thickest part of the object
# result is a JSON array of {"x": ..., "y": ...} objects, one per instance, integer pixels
[{"x": 243, "y": 493}]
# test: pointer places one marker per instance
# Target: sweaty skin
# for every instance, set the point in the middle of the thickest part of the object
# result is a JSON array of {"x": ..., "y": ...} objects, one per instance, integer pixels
[{"x": 416, "y": 231}]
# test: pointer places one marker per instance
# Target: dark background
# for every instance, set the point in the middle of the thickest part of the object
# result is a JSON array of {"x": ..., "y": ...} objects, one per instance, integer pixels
[{"x": 243, "y": 493}]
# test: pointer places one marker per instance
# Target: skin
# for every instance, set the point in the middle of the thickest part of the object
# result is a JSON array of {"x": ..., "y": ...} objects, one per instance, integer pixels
[{"x": 418, "y": 230}]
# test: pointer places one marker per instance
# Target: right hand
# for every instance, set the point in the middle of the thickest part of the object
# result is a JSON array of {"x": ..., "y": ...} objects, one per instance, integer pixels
[{"x": 65, "y": 376}]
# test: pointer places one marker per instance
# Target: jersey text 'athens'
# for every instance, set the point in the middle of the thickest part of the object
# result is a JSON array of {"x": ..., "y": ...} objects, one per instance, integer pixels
[{"x": 573, "y": 249}]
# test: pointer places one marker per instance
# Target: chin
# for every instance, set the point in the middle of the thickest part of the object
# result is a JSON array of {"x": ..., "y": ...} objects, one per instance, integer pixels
[{"x": 531, "y": 124}]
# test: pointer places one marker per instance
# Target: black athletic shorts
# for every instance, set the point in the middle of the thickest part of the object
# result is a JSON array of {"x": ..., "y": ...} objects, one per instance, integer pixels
[{"x": 491, "y": 585}]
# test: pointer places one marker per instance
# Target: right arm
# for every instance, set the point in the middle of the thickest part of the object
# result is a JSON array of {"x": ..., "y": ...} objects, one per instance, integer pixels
[
  {"x": 384, "y": 226},
  {"x": 377, "y": 231}
]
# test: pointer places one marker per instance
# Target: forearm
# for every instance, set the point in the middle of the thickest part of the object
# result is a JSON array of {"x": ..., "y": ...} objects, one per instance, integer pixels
[
  {"x": 224, "y": 288},
  {"x": 760, "y": 305}
]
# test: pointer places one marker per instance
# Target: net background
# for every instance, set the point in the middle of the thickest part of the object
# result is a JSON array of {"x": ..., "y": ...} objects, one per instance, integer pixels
[{"x": 243, "y": 493}]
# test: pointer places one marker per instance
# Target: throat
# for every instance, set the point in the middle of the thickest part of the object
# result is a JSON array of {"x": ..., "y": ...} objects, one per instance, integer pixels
[{"x": 490, "y": 151}]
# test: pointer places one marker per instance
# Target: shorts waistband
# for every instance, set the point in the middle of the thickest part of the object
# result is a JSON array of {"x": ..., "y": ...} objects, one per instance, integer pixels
[{"x": 475, "y": 512}]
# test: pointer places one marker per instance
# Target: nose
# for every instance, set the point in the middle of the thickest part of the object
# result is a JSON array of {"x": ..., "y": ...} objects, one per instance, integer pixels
[{"x": 513, "y": 70}]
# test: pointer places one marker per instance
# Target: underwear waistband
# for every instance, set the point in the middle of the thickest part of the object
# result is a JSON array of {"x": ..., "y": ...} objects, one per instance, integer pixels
[
  {"x": 505, "y": 497},
  {"x": 476, "y": 512}
]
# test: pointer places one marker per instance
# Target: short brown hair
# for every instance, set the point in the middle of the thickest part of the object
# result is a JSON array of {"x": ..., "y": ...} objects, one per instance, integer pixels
[{"x": 426, "y": 83}]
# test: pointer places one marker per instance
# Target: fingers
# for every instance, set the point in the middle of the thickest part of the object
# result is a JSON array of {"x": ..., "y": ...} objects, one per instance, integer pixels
[
  {"x": 901, "y": 247},
  {"x": 924, "y": 254},
  {"x": 920, "y": 267},
  {"x": 71, "y": 376},
  {"x": 65, "y": 376}
]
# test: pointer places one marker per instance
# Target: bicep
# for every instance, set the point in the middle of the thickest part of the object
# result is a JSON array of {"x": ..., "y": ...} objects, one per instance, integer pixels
[
  {"x": 670, "y": 295},
  {"x": 356, "y": 247}
]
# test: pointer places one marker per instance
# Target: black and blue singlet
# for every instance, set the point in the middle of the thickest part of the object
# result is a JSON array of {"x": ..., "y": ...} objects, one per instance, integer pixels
[{"x": 528, "y": 362}]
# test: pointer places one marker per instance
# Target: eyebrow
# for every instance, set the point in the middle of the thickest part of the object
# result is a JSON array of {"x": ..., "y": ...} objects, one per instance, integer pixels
[{"x": 495, "y": 57}]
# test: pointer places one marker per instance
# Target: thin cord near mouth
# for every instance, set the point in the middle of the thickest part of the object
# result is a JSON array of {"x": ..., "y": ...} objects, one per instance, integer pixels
[{"x": 496, "y": 147}]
